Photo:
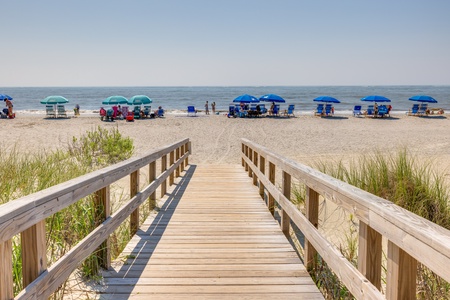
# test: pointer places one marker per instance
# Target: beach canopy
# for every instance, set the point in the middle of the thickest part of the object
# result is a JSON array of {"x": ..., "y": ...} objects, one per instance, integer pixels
[
  {"x": 376, "y": 98},
  {"x": 272, "y": 98},
  {"x": 246, "y": 99},
  {"x": 423, "y": 98},
  {"x": 139, "y": 99},
  {"x": 54, "y": 100},
  {"x": 4, "y": 96},
  {"x": 114, "y": 100},
  {"x": 327, "y": 99}
]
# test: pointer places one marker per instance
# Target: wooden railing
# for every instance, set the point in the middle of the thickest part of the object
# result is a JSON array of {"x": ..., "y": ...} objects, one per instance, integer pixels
[
  {"x": 27, "y": 216},
  {"x": 411, "y": 239}
]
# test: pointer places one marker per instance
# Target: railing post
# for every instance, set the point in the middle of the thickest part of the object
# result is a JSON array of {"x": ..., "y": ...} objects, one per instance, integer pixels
[
  {"x": 171, "y": 161},
  {"x": 102, "y": 212},
  {"x": 246, "y": 155},
  {"x": 285, "y": 220},
  {"x": 34, "y": 252},
  {"x": 262, "y": 169},
  {"x": 271, "y": 200},
  {"x": 243, "y": 152},
  {"x": 190, "y": 152},
  {"x": 134, "y": 189},
  {"x": 312, "y": 214},
  {"x": 181, "y": 154},
  {"x": 401, "y": 274},
  {"x": 177, "y": 157},
  {"x": 152, "y": 177},
  {"x": 250, "y": 156},
  {"x": 6, "y": 273},
  {"x": 163, "y": 168},
  {"x": 369, "y": 254},
  {"x": 255, "y": 162}
]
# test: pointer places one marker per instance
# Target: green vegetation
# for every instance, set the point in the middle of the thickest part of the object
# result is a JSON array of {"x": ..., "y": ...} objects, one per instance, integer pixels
[
  {"x": 404, "y": 180},
  {"x": 23, "y": 174}
]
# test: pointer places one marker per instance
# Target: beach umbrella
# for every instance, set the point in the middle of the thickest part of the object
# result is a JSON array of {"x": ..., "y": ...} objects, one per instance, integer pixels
[
  {"x": 246, "y": 99},
  {"x": 139, "y": 99},
  {"x": 54, "y": 100},
  {"x": 327, "y": 99},
  {"x": 272, "y": 98},
  {"x": 4, "y": 96},
  {"x": 423, "y": 98},
  {"x": 375, "y": 98},
  {"x": 113, "y": 100}
]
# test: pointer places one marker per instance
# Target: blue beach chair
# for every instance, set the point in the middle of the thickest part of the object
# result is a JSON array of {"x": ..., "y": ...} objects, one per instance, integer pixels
[
  {"x": 357, "y": 111},
  {"x": 414, "y": 110},
  {"x": 319, "y": 110},
  {"x": 191, "y": 111},
  {"x": 290, "y": 111},
  {"x": 329, "y": 110}
]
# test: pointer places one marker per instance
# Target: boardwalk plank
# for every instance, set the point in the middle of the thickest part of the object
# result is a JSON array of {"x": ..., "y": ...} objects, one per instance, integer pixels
[{"x": 212, "y": 238}]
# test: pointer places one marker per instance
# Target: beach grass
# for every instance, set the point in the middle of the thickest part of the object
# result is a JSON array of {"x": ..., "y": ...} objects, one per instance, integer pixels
[
  {"x": 406, "y": 181},
  {"x": 24, "y": 174}
]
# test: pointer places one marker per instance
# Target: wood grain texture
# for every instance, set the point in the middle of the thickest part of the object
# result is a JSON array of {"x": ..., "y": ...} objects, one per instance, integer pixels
[{"x": 213, "y": 238}]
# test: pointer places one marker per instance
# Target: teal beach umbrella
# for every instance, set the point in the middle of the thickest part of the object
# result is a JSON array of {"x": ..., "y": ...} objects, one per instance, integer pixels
[
  {"x": 139, "y": 99},
  {"x": 114, "y": 100},
  {"x": 54, "y": 100}
]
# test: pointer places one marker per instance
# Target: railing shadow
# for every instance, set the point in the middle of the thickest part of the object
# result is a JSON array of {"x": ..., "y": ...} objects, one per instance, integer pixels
[{"x": 149, "y": 238}]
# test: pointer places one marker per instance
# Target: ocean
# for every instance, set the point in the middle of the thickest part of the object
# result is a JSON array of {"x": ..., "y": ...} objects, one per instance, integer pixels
[{"x": 176, "y": 99}]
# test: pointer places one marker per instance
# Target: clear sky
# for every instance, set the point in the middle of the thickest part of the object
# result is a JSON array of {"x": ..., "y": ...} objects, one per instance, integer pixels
[{"x": 224, "y": 43}]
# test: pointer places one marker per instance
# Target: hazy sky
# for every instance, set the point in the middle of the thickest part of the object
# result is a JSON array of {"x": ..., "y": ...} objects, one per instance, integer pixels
[{"x": 224, "y": 43}]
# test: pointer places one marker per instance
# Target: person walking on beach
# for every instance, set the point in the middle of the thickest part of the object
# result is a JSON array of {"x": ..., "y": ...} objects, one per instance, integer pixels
[
  {"x": 207, "y": 108},
  {"x": 213, "y": 107}
]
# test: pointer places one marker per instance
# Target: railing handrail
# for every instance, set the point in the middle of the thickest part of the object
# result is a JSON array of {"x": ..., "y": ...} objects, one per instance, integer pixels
[
  {"x": 423, "y": 240},
  {"x": 27, "y": 217}
]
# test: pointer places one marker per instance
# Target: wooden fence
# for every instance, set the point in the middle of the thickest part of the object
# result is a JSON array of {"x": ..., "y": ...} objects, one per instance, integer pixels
[
  {"x": 411, "y": 239},
  {"x": 26, "y": 216}
]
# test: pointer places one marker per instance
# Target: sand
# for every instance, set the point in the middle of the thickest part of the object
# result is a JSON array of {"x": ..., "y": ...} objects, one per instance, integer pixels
[{"x": 216, "y": 138}]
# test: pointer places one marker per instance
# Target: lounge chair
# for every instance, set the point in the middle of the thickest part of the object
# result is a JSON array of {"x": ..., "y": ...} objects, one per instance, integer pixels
[
  {"x": 137, "y": 112},
  {"x": 49, "y": 111},
  {"x": 383, "y": 111},
  {"x": 370, "y": 111},
  {"x": 160, "y": 113},
  {"x": 109, "y": 114},
  {"x": 263, "y": 109},
  {"x": 147, "y": 111},
  {"x": 319, "y": 110},
  {"x": 423, "y": 109},
  {"x": 290, "y": 111},
  {"x": 239, "y": 113},
  {"x": 61, "y": 111},
  {"x": 124, "y": 111},
  {"x": 276, "y": 110},
  {"x": 191, "y": 111},
  {"x": 414, "y": 110},
  {"x": 357, "y": 111},
  {"x": 329, "y": 110}
]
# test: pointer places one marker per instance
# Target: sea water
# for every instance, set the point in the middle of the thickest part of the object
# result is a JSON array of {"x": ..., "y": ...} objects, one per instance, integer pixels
[{"x": 176, "y": 99}]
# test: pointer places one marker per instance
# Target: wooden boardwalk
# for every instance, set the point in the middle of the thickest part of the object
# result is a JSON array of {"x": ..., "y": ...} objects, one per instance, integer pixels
[{"x": 212, "y": 239}]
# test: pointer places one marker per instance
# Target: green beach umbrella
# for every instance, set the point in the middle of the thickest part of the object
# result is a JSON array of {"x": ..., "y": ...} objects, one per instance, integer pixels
[
  {"x": 139, "y": 99},
  {"x": 54, "y": 100},
  {"x": 115, "y": 100}
]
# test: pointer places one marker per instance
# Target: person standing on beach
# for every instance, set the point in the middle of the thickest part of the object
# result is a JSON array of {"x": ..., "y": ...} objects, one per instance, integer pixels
[
  {"x": 213, "y": 107},
  {"x": 207, "y": 108},
  {"x": 77, "y": 110}
]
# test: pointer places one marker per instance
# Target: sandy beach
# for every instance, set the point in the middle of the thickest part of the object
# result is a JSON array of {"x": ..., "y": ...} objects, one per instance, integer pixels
[{"x": 216, "y": 138}]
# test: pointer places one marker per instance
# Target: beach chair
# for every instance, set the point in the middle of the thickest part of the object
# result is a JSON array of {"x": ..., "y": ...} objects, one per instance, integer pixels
[
  {"x": 319, "y": 110},
  {"x": 290, "y": 111},
  {"x": 263, "y": 109},
  {"x": 191, "y": 111},
  {"x": 160, "y": 113},
  {"x": 357, "y": 111},
  {"x": 49, "y": 111},
  {"x": 137, "y": 112},
  {"x": 61, "y": 111},
  {"x": 329, "y": 110},
  {"x": 124, "y": 111},
  {"x": 240, "y": 113},
  {"x": 414, "y": 110},
  {"x": 383, "y": 111},
  {"x": 147, "y": 111},
  {"x": 370, "y": 111},
  {"x": 231, "y": 111},
  {"x": 276, "y": 110},
  {"x": 423, "y": 109},
  {"x": 115, "y": 112}
]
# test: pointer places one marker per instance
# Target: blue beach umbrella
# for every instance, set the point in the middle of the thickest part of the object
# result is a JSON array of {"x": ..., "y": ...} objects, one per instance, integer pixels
[
  {"x": 423, "y": 98},
  {"x": 139, "y": 99},
  {"x": 246, "y": 99},
  {"x": 114, "y": 100},
  {"x": 327, "y": 99},
  {"x": 375, "y": 98},
  {"x": 4, "y": 96},
  {"x": 54, "y": 100},
  {"x": 272, "y": 98}
]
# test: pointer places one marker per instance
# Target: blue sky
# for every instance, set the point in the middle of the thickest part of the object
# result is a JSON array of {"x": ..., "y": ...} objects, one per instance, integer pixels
[{"x": 224, "y": 43}]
